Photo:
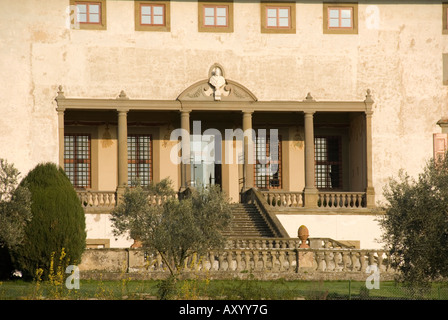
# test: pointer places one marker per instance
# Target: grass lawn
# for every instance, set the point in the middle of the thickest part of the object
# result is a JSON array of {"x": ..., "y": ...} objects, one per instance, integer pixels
[{"x": 216, "y": 290}]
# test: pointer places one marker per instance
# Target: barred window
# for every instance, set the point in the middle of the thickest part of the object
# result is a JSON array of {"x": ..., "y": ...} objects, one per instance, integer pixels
[
  {"x": 77, "y": 159},
  {"x": 139, "y": 159},
  {"x": 268, "y": 175},
  {"x": 328, "y": 162}
]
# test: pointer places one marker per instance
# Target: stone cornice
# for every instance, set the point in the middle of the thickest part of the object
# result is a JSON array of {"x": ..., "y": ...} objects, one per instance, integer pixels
[{"x": 125, "y": 103}]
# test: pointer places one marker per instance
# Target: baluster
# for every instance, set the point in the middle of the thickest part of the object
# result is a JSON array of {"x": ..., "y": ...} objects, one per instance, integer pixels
[
  {"x": 371, "y": 258},
  {"x": 238, "y": 260},
  {"x": 274, "y": 257},
  {"x": 337, "y": 259},
  {"x": 290, "y": 259},
  {"x": 345, "y": 260},
  {"x": 327, "y": 259},
  {"x": 264, "y": 260},
  {"x": 362, "y": 260},
  {"x": 320, "y": 257},
  {"x": 355, "y": 260},
  {"x": 282, "y": 259},
  {"x": 380, "y": 261},
  {"x": 256, "y": 257}
]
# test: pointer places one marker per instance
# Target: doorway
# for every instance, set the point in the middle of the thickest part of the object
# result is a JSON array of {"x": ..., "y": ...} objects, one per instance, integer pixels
[{"x": 205, "y": 161}]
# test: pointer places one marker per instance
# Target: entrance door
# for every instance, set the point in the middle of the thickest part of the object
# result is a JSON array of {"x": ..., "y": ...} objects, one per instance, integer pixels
[{"x": 204, "y": 169}]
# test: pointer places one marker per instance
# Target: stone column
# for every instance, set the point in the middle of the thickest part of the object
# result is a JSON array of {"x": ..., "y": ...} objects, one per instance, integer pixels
[
  {"x": 185, "y": 165},
  {"x": 61, "y": 135},
  {"x": 370, "y": 191},
  {"x": 122, "y": 151},
  {"x": 310, "y": 191},
  {"x": 249, "y": 159}
]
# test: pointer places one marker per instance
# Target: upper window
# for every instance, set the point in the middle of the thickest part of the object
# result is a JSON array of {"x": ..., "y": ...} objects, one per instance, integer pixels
[
  {"x": 89, "y": 14},
  {"x": 340, "y": 18},
  {"x": 152, "y": 16},
  {"x": 215, "y": 16},
  {"x": 278, "y": 18},
  {"x": 77, "y": 159},
  {"x": 444, "y": 18}
]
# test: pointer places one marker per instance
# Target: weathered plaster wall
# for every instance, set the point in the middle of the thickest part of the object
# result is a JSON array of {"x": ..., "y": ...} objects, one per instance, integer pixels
[
  {"x": 400, "y": 60},
  {"x": 353, "y": 227}
]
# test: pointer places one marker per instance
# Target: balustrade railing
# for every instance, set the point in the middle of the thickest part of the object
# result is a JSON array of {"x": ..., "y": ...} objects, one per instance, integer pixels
[
  {"x": 97, "y": 198},
  {"x": 276, "y": 260},
  {"x": 108, "y": 198},
  {"x": 283, "y": 198},
  {"x": 342, "y": 199},
  {"x": 330, "y": 199}
]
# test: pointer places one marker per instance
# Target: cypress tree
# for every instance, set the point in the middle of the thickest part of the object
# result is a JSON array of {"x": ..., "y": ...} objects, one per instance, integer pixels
[{"x": 58, "y": 222}]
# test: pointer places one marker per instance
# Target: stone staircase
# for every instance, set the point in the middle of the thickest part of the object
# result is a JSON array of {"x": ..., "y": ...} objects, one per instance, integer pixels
[{"x": 247, "y": 222}]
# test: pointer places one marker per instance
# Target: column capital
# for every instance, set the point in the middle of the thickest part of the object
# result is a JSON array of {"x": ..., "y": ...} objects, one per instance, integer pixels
[
  {"x": 60, "y": 109},
  {"x": 122, "y": 111},
  {"x": 185, "y": 111},
  {"x": 309, "y": 113},
  {"x": 247, "y": 111}
]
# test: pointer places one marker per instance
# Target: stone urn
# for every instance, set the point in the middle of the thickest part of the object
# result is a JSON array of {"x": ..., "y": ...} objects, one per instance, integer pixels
[{"x": 303, "y": 235}]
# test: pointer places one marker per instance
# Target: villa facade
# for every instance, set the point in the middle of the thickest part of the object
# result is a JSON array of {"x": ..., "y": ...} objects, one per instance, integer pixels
[{"x": 313, "y": 104}]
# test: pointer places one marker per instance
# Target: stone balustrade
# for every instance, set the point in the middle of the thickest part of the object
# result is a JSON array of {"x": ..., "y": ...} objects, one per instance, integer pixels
[
  {"x": 342, "y": 199},
  {"x": 283, "y": 198},
  {"x": 97, "y": 198},
  {"x": 108, "y": 198},
  {"x": 282, "y": 243},
  {"x": 262, "y": 263}
]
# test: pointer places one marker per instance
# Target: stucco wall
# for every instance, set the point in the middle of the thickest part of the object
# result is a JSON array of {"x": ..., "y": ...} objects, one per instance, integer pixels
[
  {"x": 399, "y": 59},
  {"x": 351, "y": 227}
]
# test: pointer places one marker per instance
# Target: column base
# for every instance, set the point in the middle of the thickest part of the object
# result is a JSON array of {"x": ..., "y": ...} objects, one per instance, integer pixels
[
  {"x": 120, "y": 193},
  {"x": 370, "y": 197},
  {"x": 310, "y": 197}
]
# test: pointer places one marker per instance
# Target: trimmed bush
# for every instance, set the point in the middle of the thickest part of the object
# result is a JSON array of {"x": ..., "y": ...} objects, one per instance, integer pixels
[{"x": 58, "y": 223}]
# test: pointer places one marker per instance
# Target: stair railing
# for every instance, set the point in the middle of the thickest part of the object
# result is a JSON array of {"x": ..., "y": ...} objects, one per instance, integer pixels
[{"x": 253, "y": 196}]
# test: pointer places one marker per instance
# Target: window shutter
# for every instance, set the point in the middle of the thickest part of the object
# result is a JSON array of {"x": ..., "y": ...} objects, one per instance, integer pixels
[{"x": 440, "y": 145}]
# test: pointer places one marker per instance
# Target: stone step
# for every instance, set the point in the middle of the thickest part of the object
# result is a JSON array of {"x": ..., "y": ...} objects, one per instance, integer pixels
[{"x": 247, "y": 222}]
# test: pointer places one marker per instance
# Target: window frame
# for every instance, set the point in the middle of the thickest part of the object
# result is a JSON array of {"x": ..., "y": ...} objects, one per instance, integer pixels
[
  {"x": 268, "y": 178},
  {"x": 215, "y": 16},
  {"x": 139, "y": 26},
  {"x": 444, "y": 17},
  {"x": 327, "y": 162},
  {"x": 291, "y": 6},
  {"x": 138, "y": 160},
  {"x": 340, "y": 9},
  {"x": 75, "y": 160},
  {"x": 101, "y": 25},
  {"x": 327, "y": 6},
  {"x": 202, "y": 27}
]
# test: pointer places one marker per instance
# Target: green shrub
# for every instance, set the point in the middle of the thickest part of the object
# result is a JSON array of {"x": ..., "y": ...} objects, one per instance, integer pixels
[{"x": 58, "y": 222}]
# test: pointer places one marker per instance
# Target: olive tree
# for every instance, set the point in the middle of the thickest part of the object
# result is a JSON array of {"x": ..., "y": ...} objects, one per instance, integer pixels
[
  {"x": 415, "y": 223},
  {"x": 175, "y": 229},
  {"x": 15, "y": 206}
]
